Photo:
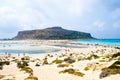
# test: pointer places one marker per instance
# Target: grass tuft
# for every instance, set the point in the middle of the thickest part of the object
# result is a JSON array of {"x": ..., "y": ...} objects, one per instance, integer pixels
[
  {"x": 72, "y": 71},
  {"x": 57, "y": 61},
  {"x": 112, "y": 69},
  {"x": 63, "y": 65},
  {"x": 116, "y": 55},
  {"x": 69, "y": 60},
  {"x": 2, "y": 76},
  {"x": 27, "y": 70},
  {"x": 86, "y": 68},
  {"x": 31, "y": 78}
]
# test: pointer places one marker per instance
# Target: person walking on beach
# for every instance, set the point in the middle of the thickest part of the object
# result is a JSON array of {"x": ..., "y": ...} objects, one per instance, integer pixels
[
  {"x": 18, "y": 54},
  {"x": 9, "y": 54},
  {"x": 23, "y": 54}
]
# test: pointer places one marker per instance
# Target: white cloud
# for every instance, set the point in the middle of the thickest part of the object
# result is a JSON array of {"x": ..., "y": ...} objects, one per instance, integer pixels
[
  {"x": 82, "y": 15},
  {"x": 116, "y": 24},
  {"x": 116, "y": 13},
  {"x": 25, "y": 19},
  {"x": 65, "y": 8},
  {"x": 33, "y": 14},
  {"x": 116, "y": 18},
  {"x": 99, "y": 24},
  {"x": 30, "y": 18},
  {"x": 4, "y": 10}
]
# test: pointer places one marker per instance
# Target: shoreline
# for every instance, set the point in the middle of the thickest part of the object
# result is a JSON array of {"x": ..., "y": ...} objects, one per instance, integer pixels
[{"x": 101, "y": 42}]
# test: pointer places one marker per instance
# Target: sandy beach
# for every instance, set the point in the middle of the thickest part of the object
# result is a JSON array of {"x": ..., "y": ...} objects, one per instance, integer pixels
[{"x": 72, "y": 61}]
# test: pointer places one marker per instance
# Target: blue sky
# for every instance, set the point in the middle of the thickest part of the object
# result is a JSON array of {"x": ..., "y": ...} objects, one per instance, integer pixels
[{"x": 101, "y": 18}]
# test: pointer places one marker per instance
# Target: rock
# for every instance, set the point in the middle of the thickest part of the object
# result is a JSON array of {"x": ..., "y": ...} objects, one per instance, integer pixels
[
  {"x": 53, "y": 33},
  {"x": 104, "y": 74}
]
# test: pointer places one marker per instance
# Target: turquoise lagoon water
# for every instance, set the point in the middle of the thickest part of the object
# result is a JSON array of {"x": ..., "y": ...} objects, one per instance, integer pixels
[
  {"x": 28, "y": 51},
  {"x": 20, "y": 48},
  {"x": 106, "y": 42},
  {"x": 24, "y": 48},
  {"x": 70, "y": 46}
]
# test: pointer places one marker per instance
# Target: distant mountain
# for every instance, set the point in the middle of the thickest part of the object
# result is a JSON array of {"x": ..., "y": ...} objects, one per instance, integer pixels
[{"x": 52, "y": 33}]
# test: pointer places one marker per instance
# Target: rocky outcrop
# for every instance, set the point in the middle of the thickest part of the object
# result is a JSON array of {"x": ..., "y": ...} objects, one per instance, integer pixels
[{"x": 52, "y": 33}]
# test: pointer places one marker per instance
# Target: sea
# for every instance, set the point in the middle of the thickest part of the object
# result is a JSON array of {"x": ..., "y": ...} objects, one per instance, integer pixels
[
  {"x": 10, "y": 47},
  {"x": 105, "y": 42},
  {"x": 24, "y": 47}
]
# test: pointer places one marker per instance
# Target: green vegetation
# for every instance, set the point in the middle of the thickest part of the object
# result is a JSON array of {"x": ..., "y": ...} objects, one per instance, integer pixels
[
  {"x": 2, "y": 63},
  {"x": 57, "y": 61},
  {"x": 45, "y": 61},
  {"x": 72, "y": 71},
  {"x": 63, "y": 65},
  {"x": 86, "y": 68},
  {"x": 2, "y": 76},
  {"x": 31, "y": 78},
  {"x": 9, "y": 79},
  {"x": 79, "y": 74},
  {"x": 27, "y": 70},
  {"x": 7, "y": 62},
  {"x": 102, "y": 60},
  {"x": 69, "y": 60},
  {"x": 112, "y": 69},
  {"x": 79, "y": 58},
  {"x": 15, "y": 60},
  {"x": 25, "y": 58},
  {"x": 93, "y": 56},
  {"x": 22, "y": 64},
  {"x": 116, "y": 55},
  {"x": 115, "y": 65}
]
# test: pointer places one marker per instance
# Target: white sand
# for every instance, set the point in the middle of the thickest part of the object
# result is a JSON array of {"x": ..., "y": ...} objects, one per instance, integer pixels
[{"x": 51, "y": 72}]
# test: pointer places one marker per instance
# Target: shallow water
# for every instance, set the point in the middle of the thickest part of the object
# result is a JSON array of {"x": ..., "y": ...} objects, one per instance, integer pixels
[
  {"x": 30, "y": 48},
  {"x": 29, "y": 51},
  {"x": 70, "y": 46},
  {"x": 107, "y": 42}
]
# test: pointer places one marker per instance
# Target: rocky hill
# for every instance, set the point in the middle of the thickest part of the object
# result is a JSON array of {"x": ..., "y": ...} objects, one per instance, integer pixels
[{"x": 52, "y": 33}]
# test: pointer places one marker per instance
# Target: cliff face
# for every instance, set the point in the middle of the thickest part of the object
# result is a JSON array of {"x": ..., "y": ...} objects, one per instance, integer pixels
[{"x": 52, "y": 33}]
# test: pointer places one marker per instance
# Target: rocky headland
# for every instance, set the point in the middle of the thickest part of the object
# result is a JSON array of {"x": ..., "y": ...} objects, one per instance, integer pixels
[{"x": 52, "y": 33}]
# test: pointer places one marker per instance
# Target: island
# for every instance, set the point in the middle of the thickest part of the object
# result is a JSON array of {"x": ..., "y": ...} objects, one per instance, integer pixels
[{"x": 52, "y": 33}]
